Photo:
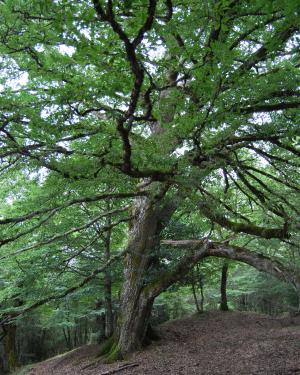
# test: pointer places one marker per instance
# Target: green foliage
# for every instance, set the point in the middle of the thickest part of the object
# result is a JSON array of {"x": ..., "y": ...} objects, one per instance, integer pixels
[{"x": 192, "y": 103}]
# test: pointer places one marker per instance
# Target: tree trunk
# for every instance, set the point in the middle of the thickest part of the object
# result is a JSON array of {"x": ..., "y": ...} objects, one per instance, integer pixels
[
  {"x": 297, "y": 289},
  {"x": 67, "y": 336},
  {"x": 149, "y": 218},
  {"x": 135, "y": 306},
  {"x": 201, "y": 293},
  {"x": 223, "y": 304},
  {"x": 109, "y": 317},
  {"x": 193, "y": 284},
  {"x": 10, "y": 351},
  {"x": 100, "y": 322}
]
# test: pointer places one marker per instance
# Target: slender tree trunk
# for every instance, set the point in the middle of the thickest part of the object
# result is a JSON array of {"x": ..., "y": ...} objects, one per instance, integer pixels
[
  {"x": 193, "y": 284},
  {"x": 75, "y": 341},
  {"x": 224, "y": 305},
  {"x": 100, "y": 322},
  {"x": 109, "y": 317},
  {"x": 198, "y": 307},
  {"x": 10, "y": 350},
  {"x": 202, "y": 298},
  {"x": 67, "y": 335},
  {"x": 1, "y": 367},
  {"x": 201, "y": 293},
  {"x": 297, "y": 289}
]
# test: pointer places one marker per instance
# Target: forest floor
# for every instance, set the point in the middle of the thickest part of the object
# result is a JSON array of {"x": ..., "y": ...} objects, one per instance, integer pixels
[{"x": 213, "y": 343}]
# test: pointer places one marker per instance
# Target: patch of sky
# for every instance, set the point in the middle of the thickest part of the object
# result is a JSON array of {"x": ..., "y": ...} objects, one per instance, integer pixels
[{"x": 66, "y": 50}]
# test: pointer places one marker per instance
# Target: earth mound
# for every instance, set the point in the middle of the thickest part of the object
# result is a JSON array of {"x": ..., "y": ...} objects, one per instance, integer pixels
[{"x": 216, "y": 343}]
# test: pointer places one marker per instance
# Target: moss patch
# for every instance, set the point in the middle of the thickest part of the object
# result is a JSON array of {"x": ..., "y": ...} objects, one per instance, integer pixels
[
  {"x": 113, "y": 355},
  {"x": 110, "y": 351},
  {"x": 23, "y": 370}
]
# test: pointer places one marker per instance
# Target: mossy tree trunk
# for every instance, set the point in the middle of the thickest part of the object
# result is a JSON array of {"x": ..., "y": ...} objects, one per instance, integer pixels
[
  {"x": 150, "y": 216},
  {"x": 136, "y": 305}
]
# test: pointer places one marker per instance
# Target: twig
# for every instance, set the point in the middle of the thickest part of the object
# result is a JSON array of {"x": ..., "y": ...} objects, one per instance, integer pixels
[{"x": 124, "y": 367}]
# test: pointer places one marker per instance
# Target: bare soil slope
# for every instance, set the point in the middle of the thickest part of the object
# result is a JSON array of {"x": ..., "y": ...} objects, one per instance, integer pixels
[{"x": 235, "y": 343}]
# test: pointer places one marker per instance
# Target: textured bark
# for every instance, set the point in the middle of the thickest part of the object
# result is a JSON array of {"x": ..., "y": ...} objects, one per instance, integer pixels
[
  {"x": 136, "y": 305},
  {"x": 149, "y": 218},
  {"x": 223, "y": 304}
]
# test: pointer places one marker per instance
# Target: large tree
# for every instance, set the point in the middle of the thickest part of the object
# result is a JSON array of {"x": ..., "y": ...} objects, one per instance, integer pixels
[{"x": 158, "y": 107}]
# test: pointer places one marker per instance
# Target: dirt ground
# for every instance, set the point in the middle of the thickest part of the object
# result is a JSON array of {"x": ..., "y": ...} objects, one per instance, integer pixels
[{"x": 234, "y": 343}]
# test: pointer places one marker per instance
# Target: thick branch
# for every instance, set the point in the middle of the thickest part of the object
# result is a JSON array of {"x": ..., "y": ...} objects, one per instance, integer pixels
[
  {"x": 201, "y": 249},
  {"x": 148, "y": 23},
  {"x": 253, "y": 229},
  {"x": 166, "y": 279}
]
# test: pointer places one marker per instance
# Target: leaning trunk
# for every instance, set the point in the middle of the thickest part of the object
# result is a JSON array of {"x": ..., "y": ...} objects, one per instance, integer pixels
[
  {"x": 134, "y": 325},
  {"x": 136, "y": 305}
]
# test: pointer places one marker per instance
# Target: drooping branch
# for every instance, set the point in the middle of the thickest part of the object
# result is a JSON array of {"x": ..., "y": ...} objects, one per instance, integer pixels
[
  {"x": 257, "y": 260},
  {"x": 241, "y": 37},
  {"x": 60, "y": 236},
  {"x": 66, "y": 292},
  {"x": 201, "y": 249},
  {"x": 269, "y": 190},
  {"x": 87, "y": 199},
  {"x": 268, "y": 107},
  {"x": 271, "y": 158},
  {"x": 272, "y": 177},
  {"x": 43, "y": 221}
]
